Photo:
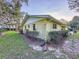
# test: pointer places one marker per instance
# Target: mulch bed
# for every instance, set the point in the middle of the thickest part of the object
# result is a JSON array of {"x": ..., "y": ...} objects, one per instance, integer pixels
[
  {"x": 41, "y": 42},
  {"x": 51, "y": 44},
  {"x": 33, "y": 40}
]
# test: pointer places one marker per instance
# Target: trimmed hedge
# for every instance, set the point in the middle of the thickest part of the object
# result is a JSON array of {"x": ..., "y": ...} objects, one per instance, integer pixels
[{"x": 58, "y": 36}]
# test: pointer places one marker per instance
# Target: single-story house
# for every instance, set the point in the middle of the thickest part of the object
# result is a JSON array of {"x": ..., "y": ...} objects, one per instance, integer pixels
[{"x": 43, "y": 24}]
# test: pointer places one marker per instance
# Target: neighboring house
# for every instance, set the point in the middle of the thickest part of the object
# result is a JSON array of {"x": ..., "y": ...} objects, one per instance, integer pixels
[
  {"x": 43, "y": 24},
  {"x": 12, "y": 27}
]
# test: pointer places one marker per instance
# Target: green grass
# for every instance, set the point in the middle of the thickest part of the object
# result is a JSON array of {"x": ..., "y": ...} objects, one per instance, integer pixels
[{"x": 12, "y": 46}]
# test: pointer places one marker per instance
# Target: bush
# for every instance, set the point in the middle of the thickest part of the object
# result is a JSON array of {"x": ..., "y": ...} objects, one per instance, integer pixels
[
  {"x": 58, "y": 36},
  {"x": 32, "y": 33},
  {"x": 2, "y": 30}
]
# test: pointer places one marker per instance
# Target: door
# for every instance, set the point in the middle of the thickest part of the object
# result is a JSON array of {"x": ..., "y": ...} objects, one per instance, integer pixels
[{"x": 43, "y": 31}]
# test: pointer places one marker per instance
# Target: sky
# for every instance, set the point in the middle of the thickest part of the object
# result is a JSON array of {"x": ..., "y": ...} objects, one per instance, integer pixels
[{"x": 56, "y": 8}]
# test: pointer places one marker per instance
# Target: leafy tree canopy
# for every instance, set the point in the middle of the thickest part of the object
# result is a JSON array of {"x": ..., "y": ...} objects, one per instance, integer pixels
[
  {"x": 75, "y": 22},
  {"x": 74, "y": 4},
  {"x": 12, "y": 7},
  {"x": 10, "y": 11}
]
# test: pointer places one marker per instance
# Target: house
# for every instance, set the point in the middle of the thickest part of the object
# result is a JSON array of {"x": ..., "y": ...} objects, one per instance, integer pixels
[{"x": 43, "y": 24}]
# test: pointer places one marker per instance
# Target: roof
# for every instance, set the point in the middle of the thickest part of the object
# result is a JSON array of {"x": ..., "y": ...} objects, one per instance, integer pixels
[
  {"x": 64, "y": 21},
  {"x": 40, "y": 16},
  {"x": 35, "y": 18}
]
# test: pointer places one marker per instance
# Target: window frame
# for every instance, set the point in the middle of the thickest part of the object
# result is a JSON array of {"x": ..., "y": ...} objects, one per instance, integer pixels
[
  {"x": 34, "y": 27},
  {"x": 54, "y": 26},
  {"x": 28, "y": 26}
]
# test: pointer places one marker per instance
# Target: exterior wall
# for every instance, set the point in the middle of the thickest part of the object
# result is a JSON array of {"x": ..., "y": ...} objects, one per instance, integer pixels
[
  {"x": 43, "y": 27},
  {"x": 25, "y": 27},
  {"x": 31, "y": 27},
  {"x": 50, "y": 27}
]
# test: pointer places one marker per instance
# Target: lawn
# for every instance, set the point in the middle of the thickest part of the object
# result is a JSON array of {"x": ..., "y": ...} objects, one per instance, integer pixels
[{"x": 12, "y": 46}]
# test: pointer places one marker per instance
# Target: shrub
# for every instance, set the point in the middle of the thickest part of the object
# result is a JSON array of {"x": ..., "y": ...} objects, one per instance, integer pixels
[
  {"x": 58, "y": 36},
  {"x": 2, "y": 30},
  {"x": 32, "y": 33}
]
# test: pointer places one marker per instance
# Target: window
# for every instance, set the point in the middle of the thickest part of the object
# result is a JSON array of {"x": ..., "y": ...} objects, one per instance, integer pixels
[
  {"x": 34, "y": 27},
  {"x": 55, "y": 26},
  {"x": 28, "y": 26},
  {"x": 25, "y": 27}
]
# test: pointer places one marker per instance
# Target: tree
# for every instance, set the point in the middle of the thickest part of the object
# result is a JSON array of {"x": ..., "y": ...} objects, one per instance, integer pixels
[
  {"x": 75, "y": 22},
  {"x": 74, "y": 4},
  {"x": 10, "y": 11}
]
